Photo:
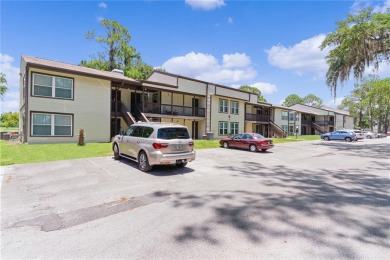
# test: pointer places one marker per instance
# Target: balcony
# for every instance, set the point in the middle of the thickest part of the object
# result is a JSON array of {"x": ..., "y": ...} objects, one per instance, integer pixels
[
  {"x": 318, "y": 122},
  {"x": 164, "y": 109},
  {"x": 257, "y": 117}
]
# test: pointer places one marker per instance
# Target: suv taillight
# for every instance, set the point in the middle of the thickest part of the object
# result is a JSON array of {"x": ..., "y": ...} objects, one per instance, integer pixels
[
  {"x": 159, "y": 145},
  {"x": 191, "y": 144}
]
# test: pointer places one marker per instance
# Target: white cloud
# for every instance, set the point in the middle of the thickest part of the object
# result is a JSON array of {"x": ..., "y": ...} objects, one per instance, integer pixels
[
  {"x": 9, "y": 106},
  {"x": 11, "y": 72},
  {"x": 100, "y": 18},
  {"x": 304, "y": 57},
  {"x": 103, "y": 5},
  {"x": 14, "y": 95},
  {"x": 383, "y": 70},
  {"x": 236, "y": 60},
  {"x": 11, "y": 97},
  {"x": 234, "y": 68},
  {"x": 375, "y": 5},
  {"x": 334, "y": 103},
  {"x": 205, "y": 4},
  {"x": 265, "y": 88},
  {"x": 230, "y": 20}
]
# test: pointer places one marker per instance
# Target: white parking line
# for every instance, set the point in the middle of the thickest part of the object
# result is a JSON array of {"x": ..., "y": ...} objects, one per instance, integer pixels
[{"x": 97, "y": 165}]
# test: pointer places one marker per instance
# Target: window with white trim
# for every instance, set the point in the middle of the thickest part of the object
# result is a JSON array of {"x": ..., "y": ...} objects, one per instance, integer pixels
[
  {"x": 223, "y": 106},
  {"x": 291, "y": 116},
  {"x": 52, "y": 86},
  {"x": 223, "y": 128},
  {"x": 233, "y": 128},
  {"x": 44, "y": 124},
  {"x": 284, "y": 115},
  {"x": 234, "y": 107}
]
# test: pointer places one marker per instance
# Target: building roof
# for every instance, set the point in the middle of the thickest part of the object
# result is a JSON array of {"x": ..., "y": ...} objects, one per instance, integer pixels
[
  {"x": 337, "y": 111},
  {"x": 76, "y": 69},
  {"x": 311, "y": 110}
]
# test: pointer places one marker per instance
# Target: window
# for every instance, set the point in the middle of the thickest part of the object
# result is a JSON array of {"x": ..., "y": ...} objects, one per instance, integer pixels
[
  {"x": 291, "y": 116},
  {"x": 247, "y": 137},
  {"x": 284, "y": 115},
  {"x": 137, "y": 131},
  {"x": 291, "y": 129},
  {"x": 223, "y": 106},
  {"x": 223, "y": 128},
  {"x": 285, "y": 128},
  {"x": 173, "y": 133},
  {"x": 52, "y": 86},
  {"x": 234, "y": 107},
  {"x": 233, "y": 128},
  {"x": 51, "y": 125}
]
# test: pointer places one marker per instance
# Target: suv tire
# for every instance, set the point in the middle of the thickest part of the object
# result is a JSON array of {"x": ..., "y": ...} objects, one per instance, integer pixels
[
  {"x": 143, "y": 162},
  {"x": 116, "y": 152}
]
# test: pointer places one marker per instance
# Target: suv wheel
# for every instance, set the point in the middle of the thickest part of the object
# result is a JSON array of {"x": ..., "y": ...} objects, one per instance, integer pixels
[
  {"x": 143, "y": 162},
  {"x": 369, "y": 136},
  {"x": 116, "y": 152},
  {"x": 348, "y": 139}
]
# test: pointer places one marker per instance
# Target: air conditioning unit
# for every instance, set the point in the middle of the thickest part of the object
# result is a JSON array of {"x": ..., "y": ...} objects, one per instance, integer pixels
[{"x": 118, "y": 71}]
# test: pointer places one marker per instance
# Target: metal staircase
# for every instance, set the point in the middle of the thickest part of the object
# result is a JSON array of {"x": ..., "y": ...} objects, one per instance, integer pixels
[
  {"x": 279, "y": 132},
  {"x": 318, "y": 128}
]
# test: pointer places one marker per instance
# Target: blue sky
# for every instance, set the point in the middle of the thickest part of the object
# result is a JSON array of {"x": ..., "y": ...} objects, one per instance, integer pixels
[{"x": 272, "y": 45}]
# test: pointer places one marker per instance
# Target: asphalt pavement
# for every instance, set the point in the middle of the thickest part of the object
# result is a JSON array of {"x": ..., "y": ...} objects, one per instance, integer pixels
[{"x": 306, "y": 200}]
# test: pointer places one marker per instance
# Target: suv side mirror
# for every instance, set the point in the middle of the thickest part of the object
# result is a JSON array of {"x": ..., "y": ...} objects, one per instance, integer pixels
[{"x": 121, "y": 132}]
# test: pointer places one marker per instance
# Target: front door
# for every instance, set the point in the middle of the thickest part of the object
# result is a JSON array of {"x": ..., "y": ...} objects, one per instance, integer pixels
[
  {"x": 135, "y": 101},
  {"x": 115, "y": 100},
  {"x": 195, "y": 105},
  {"x": 194, "y": 130}
]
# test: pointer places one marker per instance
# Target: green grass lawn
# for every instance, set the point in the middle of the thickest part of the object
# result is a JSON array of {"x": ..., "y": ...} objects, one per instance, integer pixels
[
  {"x": 14, "y": 152},
  {"x": 9, "y": 129}
]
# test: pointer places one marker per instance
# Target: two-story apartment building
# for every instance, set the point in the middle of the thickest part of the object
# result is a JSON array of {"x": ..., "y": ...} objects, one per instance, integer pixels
[
  {"x": 306, "y": 120},
  {"x": 59, "y": 99}
]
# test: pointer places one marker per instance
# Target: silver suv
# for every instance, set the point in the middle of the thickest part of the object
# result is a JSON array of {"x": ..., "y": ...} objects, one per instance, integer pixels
[{"x": 155, "y": 143}]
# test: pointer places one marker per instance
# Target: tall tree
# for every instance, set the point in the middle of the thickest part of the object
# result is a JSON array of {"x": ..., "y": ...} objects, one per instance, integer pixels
[
  {"x": 255, "y": 91},
  {"x": 117, "y": 54},
  {"x": 9, "y": 119},
  {"x": 3, "y": 83},
  {"x": 292, "y": 100},
  {"x": 313, "y": 101},
  {"x": 359, "y": 41},
  {"x": 377, "y": 99}
]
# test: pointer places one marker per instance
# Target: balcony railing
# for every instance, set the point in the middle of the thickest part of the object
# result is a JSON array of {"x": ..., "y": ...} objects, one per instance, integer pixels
[
  {"x": 319, "y": 122},
  {"x": 257, "y": 117},
  {"x": 173, "y": 110}
]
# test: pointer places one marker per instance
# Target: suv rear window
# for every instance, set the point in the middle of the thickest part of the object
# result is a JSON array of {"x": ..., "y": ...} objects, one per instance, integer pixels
[{"x": 173, "y": 133}]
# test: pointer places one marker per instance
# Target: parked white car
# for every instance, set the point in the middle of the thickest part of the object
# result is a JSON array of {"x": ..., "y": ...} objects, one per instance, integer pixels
[{"x": 369, "y": 134}]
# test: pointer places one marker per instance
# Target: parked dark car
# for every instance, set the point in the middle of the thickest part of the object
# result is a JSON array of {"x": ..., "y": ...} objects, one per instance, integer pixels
[
  {"x": 253, "y": 142},
  {"x": 345, "y": 135}
]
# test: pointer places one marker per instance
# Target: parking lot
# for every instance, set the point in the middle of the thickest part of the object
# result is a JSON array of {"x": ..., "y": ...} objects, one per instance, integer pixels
[{"x": 312, "y": 199}]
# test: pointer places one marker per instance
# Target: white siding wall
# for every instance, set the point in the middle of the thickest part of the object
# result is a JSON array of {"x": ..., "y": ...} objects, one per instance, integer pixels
[
  {"x": 348, "y": 124},
  {"x": 216, "y": 117},
  {"x": 162, "y": 78},
  {"x": 90, "y": 109},
  {"x": 231, "y": 93},
  {"x": 339, "y": 122},
  {"x": 192, "y": 87}
]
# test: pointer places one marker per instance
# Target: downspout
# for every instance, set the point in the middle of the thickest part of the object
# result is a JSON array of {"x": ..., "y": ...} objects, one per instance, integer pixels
[{"x": 26, "y": 115}]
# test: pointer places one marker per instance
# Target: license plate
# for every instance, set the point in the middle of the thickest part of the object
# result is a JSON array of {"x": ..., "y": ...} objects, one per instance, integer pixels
[{"x": 179, "y": 147}]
